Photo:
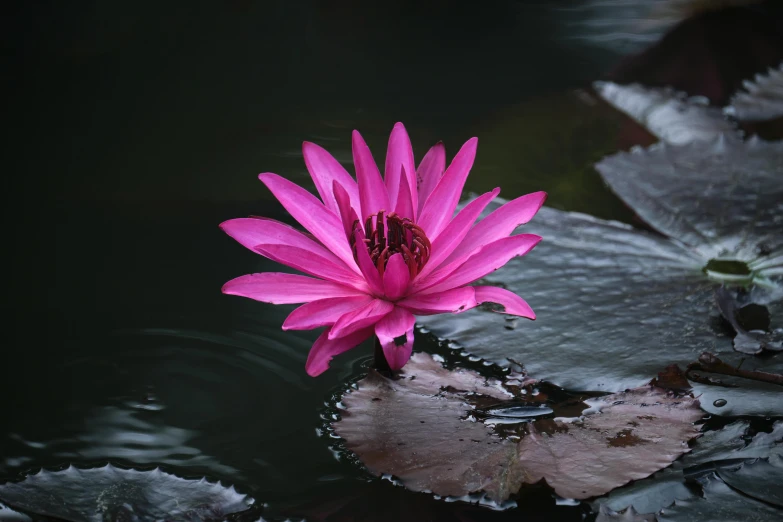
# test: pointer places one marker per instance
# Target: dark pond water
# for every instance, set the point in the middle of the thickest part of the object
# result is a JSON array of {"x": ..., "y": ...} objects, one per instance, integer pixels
[{"x": 137, "y": 129}]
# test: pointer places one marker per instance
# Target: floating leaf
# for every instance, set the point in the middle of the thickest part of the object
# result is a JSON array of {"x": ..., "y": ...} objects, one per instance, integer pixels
[
  {"x": 750, "y": 342},
  {"x": 760, "y": 479},
  {"x": 763, "y": 99},
  {"x": 616, "y": 305},
  {"x": 421, "y": 428},
  {"x": 629, "y": 515},
  {"x": 9, "y": 515},
  {"x": 719, "y": 504},
  {"x": 713, "y": 450},
  {"x": 110, "y": 493},
  {"x": 723, "y": 199},
  {"x": 669, "y": 115}
]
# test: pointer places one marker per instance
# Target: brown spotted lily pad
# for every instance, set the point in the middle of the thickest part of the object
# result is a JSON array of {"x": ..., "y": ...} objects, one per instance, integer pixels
[{"x": 440, "y": 431}]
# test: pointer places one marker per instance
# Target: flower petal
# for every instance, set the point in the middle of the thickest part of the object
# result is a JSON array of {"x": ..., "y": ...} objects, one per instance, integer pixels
[
  {"x": 439, "y": 207},
  {"x": 372, "y": 192},
  {"x": 313, "y": 264},
  {"x": 400, "y": 154},
  {"x": 430, "y": 171},
  {"x": 455, "y": 232},
  {"x": 362, "y": 317},
  {"x": 452, "y": 301},
  {"x": 251, "y": 232},
  {"x": 312, "y": 214},
  {"x": 347, "y": 212},
  {"x": 325, "y": 170},
  {"x": 325, "y": 349},
  {"x": 366, "y": 265},
  {"x": 396, "y": 277},
  {"x": 485, "y": 260},
  {"x": 500, "y": 223},
  {"x": 324, "y": 312},
  {"x": 405, "y": 205},
  {"x": 280, "y": 288},
  {"x": 395, "y": 332},
  {"x": 512, "y": 303}
]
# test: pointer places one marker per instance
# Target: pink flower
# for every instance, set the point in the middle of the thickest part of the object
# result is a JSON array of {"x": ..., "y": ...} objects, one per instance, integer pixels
[{"x": 382, "y": 249}]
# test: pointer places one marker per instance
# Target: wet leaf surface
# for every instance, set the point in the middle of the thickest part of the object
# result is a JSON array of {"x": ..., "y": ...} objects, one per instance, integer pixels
[
  {"x": 756, "y": 340},
  {"x": 422, "y": 430},
  {"x": 629, "y": 515},
  {"x": 110, "y": 493},
  {"x": 669, "y": 115},
  {"x": 719, "y": 504},
  {"x": 761, "y": 479},
  {"x": 724, "y": 199},
  {"x": 715, "y": 450},
  {"x": 762, "y": 98},
  {"x": 9, "y": 515},
  {"x": 625, "y": 303}
]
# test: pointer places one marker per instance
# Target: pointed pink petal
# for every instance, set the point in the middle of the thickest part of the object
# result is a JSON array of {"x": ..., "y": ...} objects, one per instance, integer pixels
[
  {"x": 280, "y": 288},
  {"x": 256, "y": 231},
  {"x": 399, "y": 154},
  {"x": 325, "y": 349},
  {"x": 396, "y": 277},
  {"x": 372, "y": 192},
  {"x": 500, "y": 223},
  {"x": 513, "y": 304},
  {"x": 405, "y": 206},
  {"x": 486, "y": 260},
  {"x": 395, "y": 332},
  {"x": 313, "y": 264},
  {"x": 367, "y": 267},
  {"x": 452, "y": 301},
  {"x": 440, "y": 205},
  {"x": 325, "y": 170},
  {"x": 346, "y": 211},
  {"x": 324, "y": 312},
  {"x": 455, "y": 232},
  {"x": 430, "y": 171},
  {"x": 362, "y": 317},
  {"x": 312, "y": 214}
]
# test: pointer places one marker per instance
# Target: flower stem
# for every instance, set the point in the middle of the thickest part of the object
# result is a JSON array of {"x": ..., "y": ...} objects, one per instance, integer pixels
[{"x": 380, "y": 364}]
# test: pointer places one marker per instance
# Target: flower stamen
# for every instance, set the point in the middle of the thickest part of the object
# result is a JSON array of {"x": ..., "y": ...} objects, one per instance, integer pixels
[{"x": 389, "y": 234}]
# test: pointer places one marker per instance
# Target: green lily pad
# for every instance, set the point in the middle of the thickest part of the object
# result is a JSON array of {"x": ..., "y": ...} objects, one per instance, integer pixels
[
  {"x": 110, "y": 493},
  {"x": 760, "y": 479},
  {"x": 425, "y": 429},
  {"x": 718, "y": 449},
  {"x": 762, "y": 98},
  {"x": 669, "y": 115},
  {"x": 616, "y": 305},
  {"x": 719, "y": 504}
]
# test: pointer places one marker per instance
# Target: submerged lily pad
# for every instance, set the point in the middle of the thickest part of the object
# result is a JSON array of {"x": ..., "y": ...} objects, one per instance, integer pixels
[
  {"x": 719, "y": 504},
  {"x": 715, "y": 450},
  {"x": 616, "y": 305},
  {"x": 669, "y": 115},
  {"x": 421, "y": 428},
  {"x": 762, "y": 99},
  {"x": 110, "y": 493}
]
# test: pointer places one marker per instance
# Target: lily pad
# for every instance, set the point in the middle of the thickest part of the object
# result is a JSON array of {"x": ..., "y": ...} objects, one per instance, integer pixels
[
  {"x": 423, "y": 430},
  {"x": 761, "y": 479},
  {"x": 616, "y": 305},
  {"x": 717, "y": 449},
  {"x": 762, "y": 99},
  {"x": 629, "y": 515},
  {"x": 756, "y": 340},
  {"x": 110, "y": 493},
  {"x": 719, "y": 504},
  {"x": 9, "y": 515},
  {"x": 669, "y": 115},
  {"x": 723, "y": 199}
]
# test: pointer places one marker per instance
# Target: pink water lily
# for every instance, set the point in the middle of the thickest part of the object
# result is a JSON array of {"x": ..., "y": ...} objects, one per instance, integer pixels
[{"x": 382, "y": 249}]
